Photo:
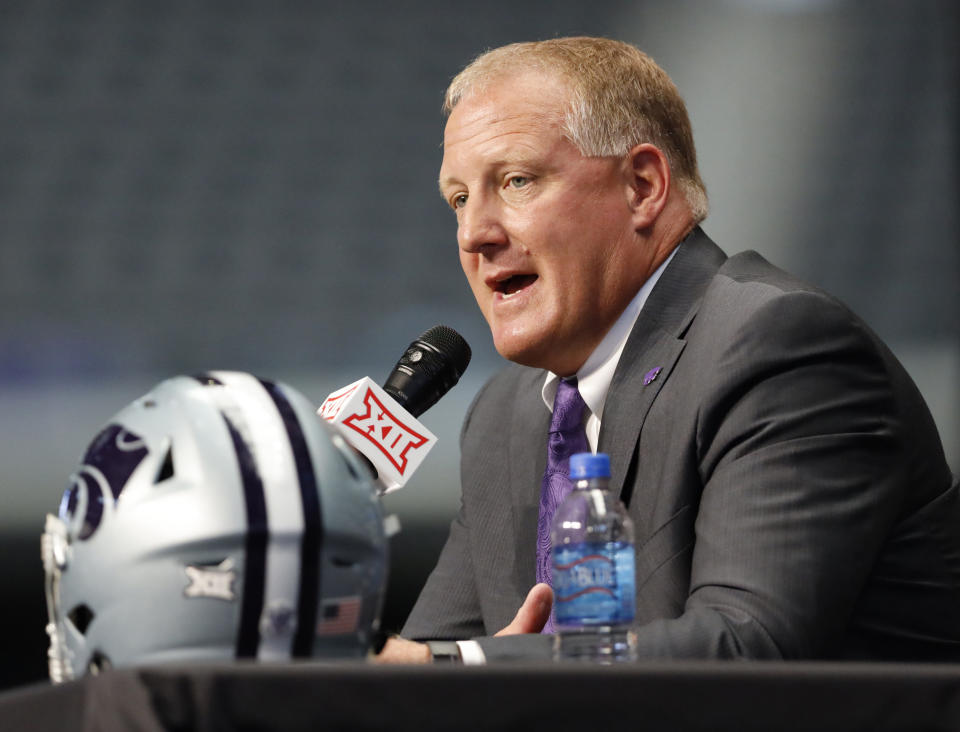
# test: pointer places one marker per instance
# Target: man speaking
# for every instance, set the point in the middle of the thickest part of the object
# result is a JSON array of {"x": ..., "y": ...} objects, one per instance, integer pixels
[{"x": 787, "y": 485}]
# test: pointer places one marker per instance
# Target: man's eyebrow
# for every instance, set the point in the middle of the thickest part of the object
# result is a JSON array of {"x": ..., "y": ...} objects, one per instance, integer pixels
[{"x": 444, "y": 181}]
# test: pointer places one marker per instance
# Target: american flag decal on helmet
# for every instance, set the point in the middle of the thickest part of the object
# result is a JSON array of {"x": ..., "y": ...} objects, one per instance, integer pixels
[{"x": 339, "y": 616}]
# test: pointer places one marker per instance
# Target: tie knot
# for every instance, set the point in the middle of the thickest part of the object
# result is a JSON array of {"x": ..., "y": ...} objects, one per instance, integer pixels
[{"x": 568, "y": 407}]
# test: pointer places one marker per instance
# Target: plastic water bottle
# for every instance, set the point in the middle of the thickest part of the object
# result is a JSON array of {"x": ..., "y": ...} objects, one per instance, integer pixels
[{"x": 593, "y": 568}]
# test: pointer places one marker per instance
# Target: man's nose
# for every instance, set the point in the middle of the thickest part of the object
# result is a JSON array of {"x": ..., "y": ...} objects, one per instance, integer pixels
[{"x": 480, "y": 228}]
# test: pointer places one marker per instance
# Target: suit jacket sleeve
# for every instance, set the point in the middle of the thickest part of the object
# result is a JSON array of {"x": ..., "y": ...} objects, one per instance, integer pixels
[
  {"x": 448, "y": 607},
  {"x": 800, "y": 444}
]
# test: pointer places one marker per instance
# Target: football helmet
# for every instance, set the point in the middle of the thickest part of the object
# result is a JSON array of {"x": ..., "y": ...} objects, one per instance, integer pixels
[{"x": 216, "y": 517}]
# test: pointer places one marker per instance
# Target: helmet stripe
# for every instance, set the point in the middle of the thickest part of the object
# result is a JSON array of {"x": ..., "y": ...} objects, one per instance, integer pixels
[
  {"x": 255, "y": 562},
  {"x": 309, "y": 587}
]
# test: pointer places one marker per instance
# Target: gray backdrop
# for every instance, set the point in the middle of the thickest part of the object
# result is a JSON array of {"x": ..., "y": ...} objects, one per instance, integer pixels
[{"x": 249, "y": 185}]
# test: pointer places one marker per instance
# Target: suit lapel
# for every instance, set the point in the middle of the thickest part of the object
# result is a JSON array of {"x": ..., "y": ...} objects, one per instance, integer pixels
[
  {"x": 651, "y": 352},
  {"x": 634, "y": 392}
]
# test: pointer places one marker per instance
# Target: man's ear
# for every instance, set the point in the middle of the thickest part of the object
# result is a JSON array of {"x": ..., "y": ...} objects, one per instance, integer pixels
[{"x": 649, "y": 174}]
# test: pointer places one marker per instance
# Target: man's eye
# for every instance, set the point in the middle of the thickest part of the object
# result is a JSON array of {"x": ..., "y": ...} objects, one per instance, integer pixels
[
  {"x": 459, "y": 201},
  {"x": 518, "y": 181}
]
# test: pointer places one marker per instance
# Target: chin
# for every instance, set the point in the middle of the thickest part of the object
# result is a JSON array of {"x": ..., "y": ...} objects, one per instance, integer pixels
[
  {"x": 512, "y": 350},
  {"x": 523, "y": 352},
  {"x": 542, "y": 353}
]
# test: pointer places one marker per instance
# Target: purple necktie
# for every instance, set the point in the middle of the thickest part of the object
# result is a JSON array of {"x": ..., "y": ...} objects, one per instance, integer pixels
[{"x": 567, "y": 437}]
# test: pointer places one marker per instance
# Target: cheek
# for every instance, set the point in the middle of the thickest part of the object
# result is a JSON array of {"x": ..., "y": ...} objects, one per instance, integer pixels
[{"x": 470, "y": 264}]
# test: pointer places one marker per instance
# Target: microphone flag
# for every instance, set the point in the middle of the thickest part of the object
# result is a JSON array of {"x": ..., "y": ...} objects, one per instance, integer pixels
[{"x": 372, "y": 422}]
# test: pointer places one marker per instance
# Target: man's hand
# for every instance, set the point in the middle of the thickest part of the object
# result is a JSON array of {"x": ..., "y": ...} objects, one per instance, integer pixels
[
  {"x": 533, "y": 614},
  {"x": 400, "y": 650}
]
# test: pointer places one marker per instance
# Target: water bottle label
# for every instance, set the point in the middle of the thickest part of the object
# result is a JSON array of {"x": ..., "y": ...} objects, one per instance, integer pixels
[{"x": 593, "y": 584}]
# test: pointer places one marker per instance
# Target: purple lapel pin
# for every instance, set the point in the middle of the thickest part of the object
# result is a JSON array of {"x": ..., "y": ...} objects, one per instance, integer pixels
[{"x": 651, "y": 375}]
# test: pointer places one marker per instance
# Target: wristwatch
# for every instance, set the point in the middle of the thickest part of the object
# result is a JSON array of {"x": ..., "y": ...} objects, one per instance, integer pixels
[{"x": 445, "y": 651}]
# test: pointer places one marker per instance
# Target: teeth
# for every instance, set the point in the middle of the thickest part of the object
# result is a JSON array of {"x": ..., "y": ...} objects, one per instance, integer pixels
[{"x": 509, "y": 286}]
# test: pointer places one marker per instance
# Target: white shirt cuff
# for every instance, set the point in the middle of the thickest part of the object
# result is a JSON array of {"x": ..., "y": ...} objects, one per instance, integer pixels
[{"x": 471, "y": 653}]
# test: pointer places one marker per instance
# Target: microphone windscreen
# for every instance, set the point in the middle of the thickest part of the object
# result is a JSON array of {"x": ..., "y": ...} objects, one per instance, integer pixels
[{"x": 428, "y": 369}]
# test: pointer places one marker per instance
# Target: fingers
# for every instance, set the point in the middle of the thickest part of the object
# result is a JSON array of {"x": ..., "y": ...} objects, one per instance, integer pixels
[{"x": 533, "y": 614}]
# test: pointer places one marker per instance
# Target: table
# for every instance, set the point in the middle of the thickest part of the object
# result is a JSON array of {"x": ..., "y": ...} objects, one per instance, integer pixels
[{"x": 675, "y": 695}]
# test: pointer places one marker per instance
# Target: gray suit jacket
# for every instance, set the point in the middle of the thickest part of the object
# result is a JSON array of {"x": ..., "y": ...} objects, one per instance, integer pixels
[{"x": 787, "y": 484}]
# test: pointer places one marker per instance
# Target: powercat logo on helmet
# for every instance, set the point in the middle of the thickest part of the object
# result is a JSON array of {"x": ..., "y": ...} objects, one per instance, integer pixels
[{"x": 107, "y": 466}]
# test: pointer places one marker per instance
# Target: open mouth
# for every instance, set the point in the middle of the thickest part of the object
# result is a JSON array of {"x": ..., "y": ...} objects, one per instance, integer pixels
[{"x": 512, "y": 285}]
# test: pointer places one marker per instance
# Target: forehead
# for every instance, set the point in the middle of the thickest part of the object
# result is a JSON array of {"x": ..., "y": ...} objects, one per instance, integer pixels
[{"x": 524, "y": 105}]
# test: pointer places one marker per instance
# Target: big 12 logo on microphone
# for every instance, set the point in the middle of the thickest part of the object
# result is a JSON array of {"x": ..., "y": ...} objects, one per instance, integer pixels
[{"x": 387, "y": 434}]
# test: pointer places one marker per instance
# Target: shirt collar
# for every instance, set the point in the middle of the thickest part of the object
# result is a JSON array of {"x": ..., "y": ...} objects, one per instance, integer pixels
[{"x": 594, "y": 377}]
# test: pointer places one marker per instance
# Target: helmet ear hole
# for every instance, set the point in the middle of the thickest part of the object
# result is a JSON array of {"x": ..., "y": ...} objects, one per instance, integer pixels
[
  {"x": 166, "y": 467},
  {"x": 81, "y": 616}
]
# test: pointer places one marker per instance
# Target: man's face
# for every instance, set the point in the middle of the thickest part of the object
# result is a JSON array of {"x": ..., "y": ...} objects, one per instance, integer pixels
[{"x": 545, "y": 234}]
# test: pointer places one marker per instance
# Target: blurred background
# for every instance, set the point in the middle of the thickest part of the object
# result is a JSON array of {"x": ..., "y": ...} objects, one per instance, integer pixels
[{"x": 190, "y": 185}]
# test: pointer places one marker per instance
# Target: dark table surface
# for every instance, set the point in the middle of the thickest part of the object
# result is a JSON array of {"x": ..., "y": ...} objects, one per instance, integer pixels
[{"x": 356, "y": 696}]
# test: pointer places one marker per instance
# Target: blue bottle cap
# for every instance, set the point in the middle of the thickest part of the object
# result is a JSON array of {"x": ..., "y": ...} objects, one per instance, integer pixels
[{"x": 586, "y": 465}]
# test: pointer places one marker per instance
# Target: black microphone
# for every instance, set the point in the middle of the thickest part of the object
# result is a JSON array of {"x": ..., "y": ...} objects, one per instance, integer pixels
[{"x": 428, "y": 369}]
